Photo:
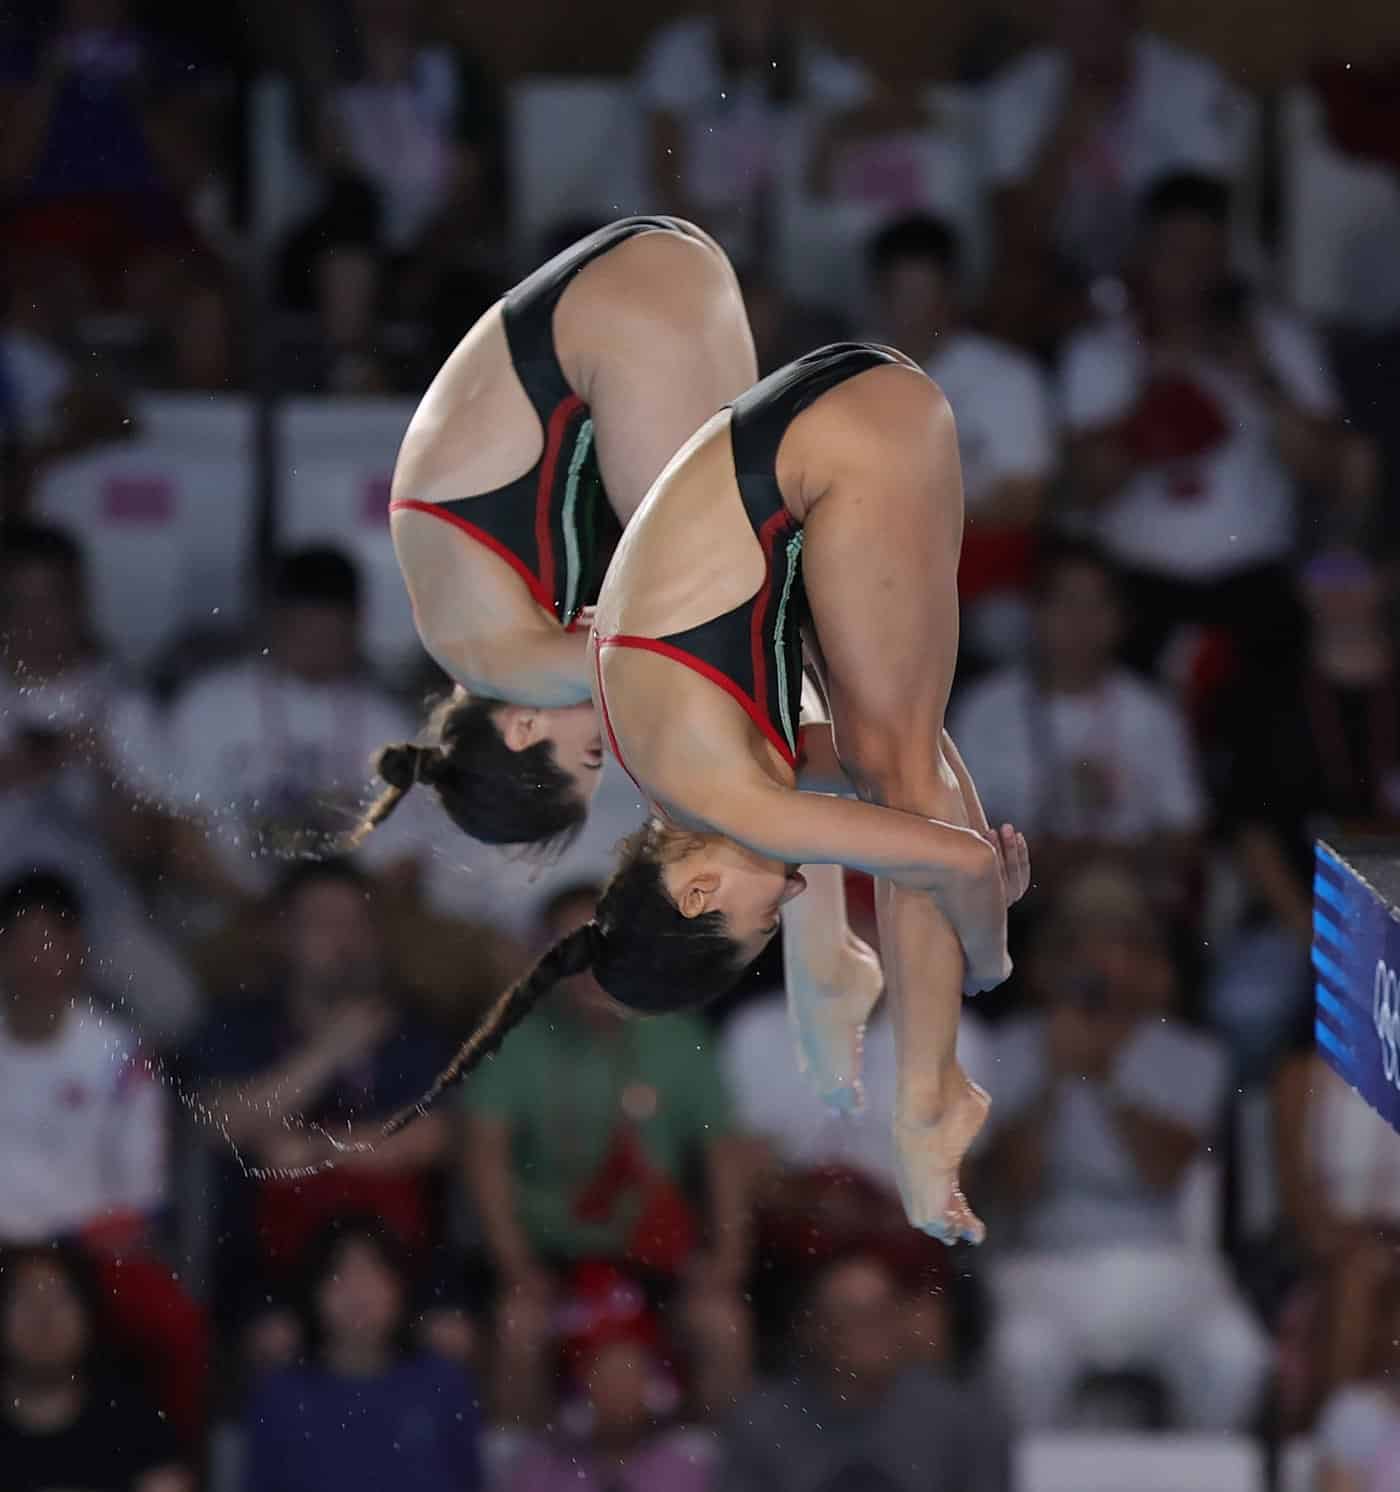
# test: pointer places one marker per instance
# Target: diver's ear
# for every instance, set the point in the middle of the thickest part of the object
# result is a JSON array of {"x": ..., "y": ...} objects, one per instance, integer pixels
[
  {"x": 519, "y": 726},
  {"x": 696, "y": 893}
]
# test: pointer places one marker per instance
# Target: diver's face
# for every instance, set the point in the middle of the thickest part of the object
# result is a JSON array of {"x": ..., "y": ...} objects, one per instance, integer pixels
[
  {"x": 749, "y": 890},
  {"x": 571, "y": 730}
]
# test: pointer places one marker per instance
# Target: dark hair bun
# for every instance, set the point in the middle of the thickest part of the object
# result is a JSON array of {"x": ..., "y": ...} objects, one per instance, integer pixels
[{"x": 401, "y": 766}]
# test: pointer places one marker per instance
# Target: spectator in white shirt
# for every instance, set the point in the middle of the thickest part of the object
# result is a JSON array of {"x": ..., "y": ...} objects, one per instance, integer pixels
[
  {"x": 1000, "y": 399},
  {"x": 56, "y": 690},
  {"x": 1094, "y": 761},
  {"x": 79, "y": 754},
  {"x": 1076, "y": 130},
  {"x": 272, "y": 755},
  {"x": 1103, "y": 1103},
  {"x": 1192, "y": 419},
  {"x": 720, "y": 91},
  {"x": 1358, "y": 1437},
  {"x": 82, "y": 1137},
  {"x": 1338, "y": 1177}
]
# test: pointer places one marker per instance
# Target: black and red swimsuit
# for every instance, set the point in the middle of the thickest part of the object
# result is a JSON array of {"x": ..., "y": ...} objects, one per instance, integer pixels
[
  {"x": 754, "y": 651},
  {"x": 554, "y": 525}
]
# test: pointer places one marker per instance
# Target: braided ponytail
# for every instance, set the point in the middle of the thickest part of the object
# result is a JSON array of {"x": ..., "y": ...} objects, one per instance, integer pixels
[
  {"x": 572, "y": 955},
  {"x": 400, "y": 766},
  {"x": 575, "y": 954}
]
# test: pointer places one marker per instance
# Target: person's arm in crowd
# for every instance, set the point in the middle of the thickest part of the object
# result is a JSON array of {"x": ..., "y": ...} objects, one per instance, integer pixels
[
  {"x": 702, "y": 1095},
  {"x": 1303, "y": 1195},
  {"x": 1164, "y": 862},
  {"x": 1013, "y": 1161},
  {"x": 522, "y": 1381},
  {"x": 492, "y": 1188},
  {"x": 1292, "y": 370},
  {"x": 729, "y": 1185},
  {"x": 888, "y": 110},
  {"x": 1311, "y": 445},
  {"x": 1163, "y": 1094},
  {"x": 1084, "y": 1045},
  {"x": 1265, "y": 863},
  {"x": 1100, "y": 463},
  {"x": 181, "y": 118},
  {"x": 253, "y": 1110},
  {"x": 423, "y": 1145},
  {"x": 1298, "y": 1193},
  {"x": 1022, "y": 453},
  {"x": 1026, "y": 210},
  {"x": 1160, "y": 1148},
  {"x": 195, "y": 860},
  {"x": 1167, "y": 857}
]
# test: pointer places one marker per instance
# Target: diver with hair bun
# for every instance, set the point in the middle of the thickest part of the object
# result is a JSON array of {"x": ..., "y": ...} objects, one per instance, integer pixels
[{"x": 532, "y": 447}]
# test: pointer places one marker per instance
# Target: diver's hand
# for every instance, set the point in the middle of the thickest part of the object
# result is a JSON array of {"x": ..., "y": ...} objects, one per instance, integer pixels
[{"x": 1015, "y": 858}]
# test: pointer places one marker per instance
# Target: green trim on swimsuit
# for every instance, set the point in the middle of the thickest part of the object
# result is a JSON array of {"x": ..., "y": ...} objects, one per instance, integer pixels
[{"x": 794, "y": 555}]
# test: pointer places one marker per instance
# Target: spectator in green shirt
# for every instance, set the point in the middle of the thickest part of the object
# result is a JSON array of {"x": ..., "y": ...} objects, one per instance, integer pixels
[{"x": 592, "y": 1138}]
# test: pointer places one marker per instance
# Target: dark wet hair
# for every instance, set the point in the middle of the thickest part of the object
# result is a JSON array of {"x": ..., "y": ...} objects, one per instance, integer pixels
[
  {"x": 917, "y": 236},
  {"x": 39, "y": 891},
  {"x": 639, "y": 946},
  {"x": 1185, "y": 194},
  {"x": 490, "y": 792}
]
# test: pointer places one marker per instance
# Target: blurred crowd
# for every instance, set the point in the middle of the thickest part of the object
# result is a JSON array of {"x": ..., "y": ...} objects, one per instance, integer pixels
[{"x": 641, "y": 1256}]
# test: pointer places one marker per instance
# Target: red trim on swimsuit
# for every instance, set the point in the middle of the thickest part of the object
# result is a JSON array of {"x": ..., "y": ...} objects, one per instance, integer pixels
[
  {"x": 697, "y": 665},
  {"x": 540, "y": 586},
  {"x": 490, "y": 541}
]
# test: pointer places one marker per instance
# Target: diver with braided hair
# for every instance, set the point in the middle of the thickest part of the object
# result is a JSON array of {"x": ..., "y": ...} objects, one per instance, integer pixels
[
  {"x": 823, "y": 506},
  {"x": 532, "y": 447}
]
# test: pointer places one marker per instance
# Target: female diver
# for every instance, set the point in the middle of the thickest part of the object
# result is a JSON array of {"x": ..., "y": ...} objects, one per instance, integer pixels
[
  {"x": 540, "y": 435},
  {"x": 824, "y": 502}
]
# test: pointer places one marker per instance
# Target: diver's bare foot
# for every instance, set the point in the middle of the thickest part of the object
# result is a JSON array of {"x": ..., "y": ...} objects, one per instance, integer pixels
[
  {"x": 828, "y": 1019},
  {"x": 928, "y": 1157}
]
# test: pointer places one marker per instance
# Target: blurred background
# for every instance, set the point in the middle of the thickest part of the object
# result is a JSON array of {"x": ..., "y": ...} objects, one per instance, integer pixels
[{"x": 1152, "y": 254}]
